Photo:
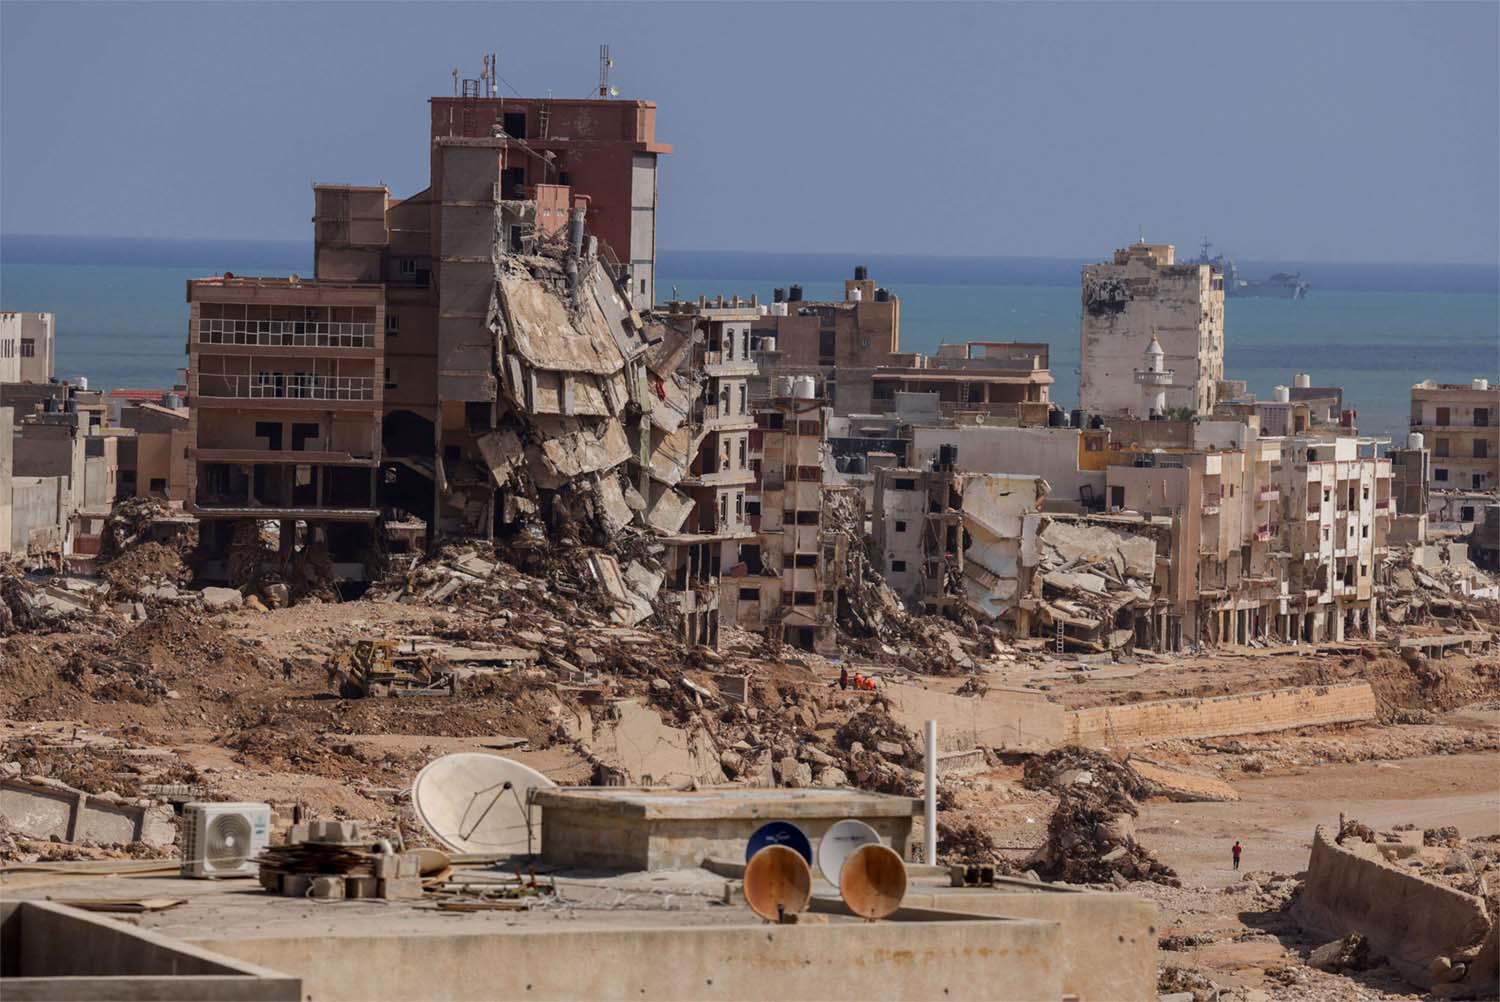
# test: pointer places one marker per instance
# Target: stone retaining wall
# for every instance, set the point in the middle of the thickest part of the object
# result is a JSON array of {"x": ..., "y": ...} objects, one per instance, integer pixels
[{"x": 1219, "y": 716}]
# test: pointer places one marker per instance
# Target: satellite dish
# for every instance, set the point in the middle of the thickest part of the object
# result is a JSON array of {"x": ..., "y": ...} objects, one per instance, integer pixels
[
  {"x": 839, "y": 843},
  {"x": 779, "y": 833},
  {"x": 873, "y": 881},
  {"x": 778, "y": 882},
  {"x": 474, "y": 802}
]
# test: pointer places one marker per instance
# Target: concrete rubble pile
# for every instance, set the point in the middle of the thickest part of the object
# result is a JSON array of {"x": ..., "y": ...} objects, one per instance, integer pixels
[
  {"x": 278, "y": 572},
  {"x": 876, "y": 624},
  {"x": 1088, "y": 575},
  {"x": 69, "y": 798},
  {"x": 1438, "y": 584},
  {"x": 1091, "y": 834},
  {"x": 36, "y": 606}
]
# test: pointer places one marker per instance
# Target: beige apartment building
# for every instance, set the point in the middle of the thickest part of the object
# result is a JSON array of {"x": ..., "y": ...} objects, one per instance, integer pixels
[
  {"x": 790, "y": 585},
  {"x": 1337, "y": 508},
  {"x": 28, "y": 347},
  {"x": 1140, "y": 295},
  {"x": 286, "y": 378},
  {"x": 1460, "y": 423}
]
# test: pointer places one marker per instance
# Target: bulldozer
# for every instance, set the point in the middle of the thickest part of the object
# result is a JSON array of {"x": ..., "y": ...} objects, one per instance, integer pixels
[{"x": 381, "y": 668}]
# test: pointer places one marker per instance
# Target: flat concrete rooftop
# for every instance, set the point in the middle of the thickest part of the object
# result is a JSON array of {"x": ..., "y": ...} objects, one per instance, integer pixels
[{"x": 661, "y": 935}]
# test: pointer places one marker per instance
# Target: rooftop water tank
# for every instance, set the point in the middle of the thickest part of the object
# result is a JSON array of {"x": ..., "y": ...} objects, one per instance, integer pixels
[
  {"x": 778, "y": 295},
  {"x": 1415, "y": 440},
  {"x": 804, "y": 388},
  {"x": 782, "y": 386},
  {"x": 768, "y": 343},
  {"x": 1302, "y": 380},
  {"x": 856, "y": 295},
  {"x": 1480, "y": 384},
  {"x": 794, "y": 295},
  {"x": 861, "y": 273},
  {"x": 172, "y": 400},
  {"x": 882, "y": 295},
  {"x": 1283, "y": 394}
]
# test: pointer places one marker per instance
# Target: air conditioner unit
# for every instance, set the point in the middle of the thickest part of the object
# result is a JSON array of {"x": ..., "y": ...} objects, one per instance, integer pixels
[{"x": 223, "y": 840}]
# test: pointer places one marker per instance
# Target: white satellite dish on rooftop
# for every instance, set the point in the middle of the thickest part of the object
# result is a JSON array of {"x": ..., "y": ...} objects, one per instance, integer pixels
[
  {"x": 477, "y": 803},
  {"x": 839, "y": 843}
]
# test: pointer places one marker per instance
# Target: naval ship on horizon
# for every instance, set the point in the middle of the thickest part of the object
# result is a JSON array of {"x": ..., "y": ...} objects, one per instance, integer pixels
[{"x": 1282, "y": 285}]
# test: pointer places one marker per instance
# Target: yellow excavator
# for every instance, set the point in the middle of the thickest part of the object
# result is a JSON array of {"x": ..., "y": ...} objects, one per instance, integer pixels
[{"x": 381, "y": 668}]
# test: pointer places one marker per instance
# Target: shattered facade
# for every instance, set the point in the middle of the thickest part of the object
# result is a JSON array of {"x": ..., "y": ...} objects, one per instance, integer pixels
[{"x": 1141, "y": 295}]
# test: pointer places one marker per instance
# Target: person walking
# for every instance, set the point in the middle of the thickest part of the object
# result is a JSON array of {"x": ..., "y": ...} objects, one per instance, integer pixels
[
  {"x": 1235, "y": 852},
  {"x": 844, "y": 678}
]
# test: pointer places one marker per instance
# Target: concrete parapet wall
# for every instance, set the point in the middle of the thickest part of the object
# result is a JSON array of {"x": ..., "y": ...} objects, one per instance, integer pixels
[
  {"x": 1408, "y": 919},
  {"x": 1217, "y": 716},
  {"x": 1001, "y": 718},
  {"x": 965, "y": 958},
  {"x": 53, "y": 952},
  {"x": 1107, "y": 941},
  {"x": 587, "y": 838}
]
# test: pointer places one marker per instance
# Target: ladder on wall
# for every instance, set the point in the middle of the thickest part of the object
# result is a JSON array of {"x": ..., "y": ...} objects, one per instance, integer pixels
[{"x": 1057, "y": 644}]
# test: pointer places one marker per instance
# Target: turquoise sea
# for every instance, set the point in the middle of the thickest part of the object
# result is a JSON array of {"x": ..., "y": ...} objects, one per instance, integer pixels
[{"x": 1373, "y": 329}]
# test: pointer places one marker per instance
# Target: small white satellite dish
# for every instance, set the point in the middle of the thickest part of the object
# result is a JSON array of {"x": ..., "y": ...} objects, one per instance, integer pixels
[
  {"x": 474, "y": 802},
  {"x": 839, "y": 843}
]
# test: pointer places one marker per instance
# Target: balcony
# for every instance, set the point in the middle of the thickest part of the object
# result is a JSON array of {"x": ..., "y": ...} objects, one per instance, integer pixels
[
  {"x": 286, "y": 333},
  {"x": 268, "y": 387}
]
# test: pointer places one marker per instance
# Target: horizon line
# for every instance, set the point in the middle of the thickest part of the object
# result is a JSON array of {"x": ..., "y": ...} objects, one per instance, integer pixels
[{"x": 842, "y": 254}]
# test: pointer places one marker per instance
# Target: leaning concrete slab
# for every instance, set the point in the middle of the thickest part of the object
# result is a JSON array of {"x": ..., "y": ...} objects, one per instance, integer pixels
[
  {"x": 652, "y": 829},
  {"x": 1408, "y": 919}
]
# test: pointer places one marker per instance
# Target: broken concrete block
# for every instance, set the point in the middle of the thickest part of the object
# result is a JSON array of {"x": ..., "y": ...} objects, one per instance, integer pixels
[
  {"x": 833, "y": 777},
  {"x": 295, "y": 885},
  {"x": 361, "y": 887},
  {"x": 816, "y": 755},
  {"x": 890, "y": 749},
  {"x": 401, "y": 888},
  {"x": 795, "y": 774},
  {"x": 334, "y": 832},
  {"x": 221, "y": 599},
  {"x": 330, "y": 888}
]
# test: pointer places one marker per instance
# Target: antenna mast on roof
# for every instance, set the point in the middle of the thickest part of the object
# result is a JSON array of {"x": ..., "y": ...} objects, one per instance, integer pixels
[
  {"x": 455, "y": 81},
  {"x": 489, "y": 77},
  {"x": 605, "y": 90}
]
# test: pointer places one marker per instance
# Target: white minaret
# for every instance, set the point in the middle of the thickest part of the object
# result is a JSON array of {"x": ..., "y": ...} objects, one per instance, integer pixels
[{"x": 1154, "y": 380}]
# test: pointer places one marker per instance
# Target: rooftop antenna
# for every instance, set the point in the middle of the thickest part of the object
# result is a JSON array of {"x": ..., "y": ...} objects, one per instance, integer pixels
[
  {"x": 1142, "y": 232},
  {"x": 455, "y": 81},
  {"x": 605, "y": 90},
  {"x": 489, "y": 77}
]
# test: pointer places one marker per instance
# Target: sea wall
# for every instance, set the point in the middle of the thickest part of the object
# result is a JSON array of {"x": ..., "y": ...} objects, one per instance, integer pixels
[{"x": 1218, "y": 716}]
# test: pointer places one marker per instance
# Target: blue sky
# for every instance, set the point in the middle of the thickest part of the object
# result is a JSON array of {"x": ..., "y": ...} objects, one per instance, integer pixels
[{"x": 1341, "y": 132}]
